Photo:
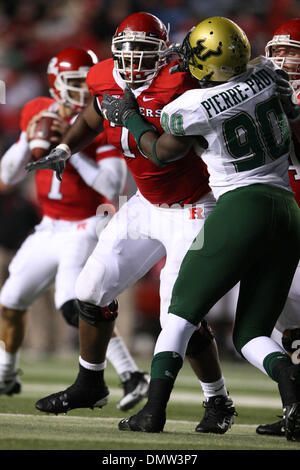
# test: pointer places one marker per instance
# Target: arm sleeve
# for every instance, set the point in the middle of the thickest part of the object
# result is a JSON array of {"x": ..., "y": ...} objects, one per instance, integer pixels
[
  {"x": 184, "y": 115},
  {"x": 107, "y": 176},
  {"x": 14, "y": 160}
]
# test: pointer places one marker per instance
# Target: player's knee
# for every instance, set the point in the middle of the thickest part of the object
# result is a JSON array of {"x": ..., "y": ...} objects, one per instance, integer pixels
[
  {"x": 237, "y": 343},
  {"x": 70, "y": 312},
  {"x": 200, "y": 340},
  {"x": 88, "y": 286},
  {"x": 93, "y": 314},
  {"x": 240, "y": 339},
  {"x": 16, "y": 295}
]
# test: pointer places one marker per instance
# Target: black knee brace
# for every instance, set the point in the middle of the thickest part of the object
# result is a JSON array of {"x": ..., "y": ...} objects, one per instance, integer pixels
[
  {"x": 288, "y": 337},
  {"x": 70, "y": 312},
  {"x": 93, "y": 314},
  {"x": 200, "y": 340}
]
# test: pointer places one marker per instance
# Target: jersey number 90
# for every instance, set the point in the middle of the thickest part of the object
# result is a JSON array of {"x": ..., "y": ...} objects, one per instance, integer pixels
[{"x": 250, "y": 141}]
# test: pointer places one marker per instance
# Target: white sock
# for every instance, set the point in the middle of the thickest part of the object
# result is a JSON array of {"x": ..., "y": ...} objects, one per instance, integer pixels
[
  {"x": 8, "y": 363},
  {"x": 119, "y": 356},
  {"x": 214, "y": 388},
  {"x": 90, "y": 366},
  {"x": 258, "y": 348}
]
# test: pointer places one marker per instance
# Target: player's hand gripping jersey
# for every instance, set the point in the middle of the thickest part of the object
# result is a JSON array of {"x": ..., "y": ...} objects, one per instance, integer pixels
[
  {"x": 72, "y": 198},
  {"x": 182, "y": 182},
  {"x": 240, "y": 152}
]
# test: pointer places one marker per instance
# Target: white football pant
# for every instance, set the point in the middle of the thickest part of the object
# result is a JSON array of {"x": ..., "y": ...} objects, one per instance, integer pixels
[
  {"x": 55, "y": 252},
  {"x": 138, "y": 236}
]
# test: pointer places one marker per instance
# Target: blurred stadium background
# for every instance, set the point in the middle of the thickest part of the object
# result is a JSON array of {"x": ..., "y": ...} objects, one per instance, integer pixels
[{"x": 31, "y": 32}]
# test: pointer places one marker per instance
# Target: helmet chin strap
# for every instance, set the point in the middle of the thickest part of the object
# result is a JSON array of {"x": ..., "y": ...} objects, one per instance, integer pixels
[
  {"x": 65, "y": 90},
  {"x": 65, "y": 101},
  {"x": 139, "y": 80}
]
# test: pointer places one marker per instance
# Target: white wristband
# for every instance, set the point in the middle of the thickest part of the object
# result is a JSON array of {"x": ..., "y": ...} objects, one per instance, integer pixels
[{"x": 66, "y": 148}]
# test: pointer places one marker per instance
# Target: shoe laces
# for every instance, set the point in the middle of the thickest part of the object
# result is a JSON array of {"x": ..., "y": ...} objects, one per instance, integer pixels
[{"x": 219, "y": 405}]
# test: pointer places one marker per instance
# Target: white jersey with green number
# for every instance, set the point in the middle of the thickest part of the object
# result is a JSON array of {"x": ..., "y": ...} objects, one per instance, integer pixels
[{"x": 242, "y": 120}]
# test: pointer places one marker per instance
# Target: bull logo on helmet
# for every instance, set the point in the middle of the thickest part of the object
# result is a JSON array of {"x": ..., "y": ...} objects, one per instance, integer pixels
[{"x": 201, "y": 47}]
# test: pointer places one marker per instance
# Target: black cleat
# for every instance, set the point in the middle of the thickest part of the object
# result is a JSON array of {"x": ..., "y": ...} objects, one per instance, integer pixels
[
  {"x": 291, "y": 416},
  {"x": 75, "y": 396},
  {"x": 289, "y": 388},
  {"x": 274, "y": 429},
  {"x": 11, "y": 384},
  {"x": 219, "y": 415},
  {"x": 136, "y": 386},
  {"x": 144, "y": 421}
]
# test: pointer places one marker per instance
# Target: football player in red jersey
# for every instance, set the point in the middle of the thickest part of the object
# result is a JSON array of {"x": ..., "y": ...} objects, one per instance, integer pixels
[
  {"x": 162, "y": 218},
  {"x": 284, "y": 49},
  {"x": 67, "y": 233}
]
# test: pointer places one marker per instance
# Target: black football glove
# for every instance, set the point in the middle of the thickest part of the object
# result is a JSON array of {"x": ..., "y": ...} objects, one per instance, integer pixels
[
  {"x": 54, "y": 161},
  {"x": 286, "y": 94},
  {"x": 118, "y": 110}
]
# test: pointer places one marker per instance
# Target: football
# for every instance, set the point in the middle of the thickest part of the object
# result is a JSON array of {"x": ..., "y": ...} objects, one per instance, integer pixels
[{"x": 39, "y": 135}]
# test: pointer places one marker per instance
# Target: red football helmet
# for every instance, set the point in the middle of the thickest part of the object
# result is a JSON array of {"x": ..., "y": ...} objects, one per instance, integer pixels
[
  {"x": 137, "y": 47},
  {"x": 288, "y": 34},
  {"x": 69, "y": 64}
]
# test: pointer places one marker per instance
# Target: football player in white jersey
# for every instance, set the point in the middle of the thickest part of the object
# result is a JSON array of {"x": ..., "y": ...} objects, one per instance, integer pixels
[
  {"x": 284, "y": 50},
  {"x": 237, "y": 123}
]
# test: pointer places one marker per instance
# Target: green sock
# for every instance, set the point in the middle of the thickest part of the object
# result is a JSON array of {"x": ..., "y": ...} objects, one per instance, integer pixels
[
  {"x": 164, "y": 369},
  {"x": 274, "y": 362},
  {"x": 166, "y": 365}
]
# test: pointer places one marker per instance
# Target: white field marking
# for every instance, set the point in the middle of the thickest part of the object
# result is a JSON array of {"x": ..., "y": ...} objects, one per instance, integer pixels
[
  {"x": 248, "y": 384},
  {"x": 177, "y": 396},
  {"x": 108, "y": 420},
  {"x": 262, "y": 382}
]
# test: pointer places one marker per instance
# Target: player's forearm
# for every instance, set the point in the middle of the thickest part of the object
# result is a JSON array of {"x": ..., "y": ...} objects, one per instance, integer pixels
[
  {"x": 80, "y": 135},
  {"x": 14, "y": 161},
  {"x": 165, "y": 148},
  {"x": 148, "y": 143},
  {"x": 84, "y": 130},
  {"x": 160, "y": 149}
]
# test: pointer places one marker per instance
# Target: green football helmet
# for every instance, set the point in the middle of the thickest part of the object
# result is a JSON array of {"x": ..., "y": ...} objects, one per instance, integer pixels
[{"x": 216, "y": 50}]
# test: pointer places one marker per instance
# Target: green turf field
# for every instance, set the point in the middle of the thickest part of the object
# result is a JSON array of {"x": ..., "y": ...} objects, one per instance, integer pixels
[{"x": 24, "y": 428}]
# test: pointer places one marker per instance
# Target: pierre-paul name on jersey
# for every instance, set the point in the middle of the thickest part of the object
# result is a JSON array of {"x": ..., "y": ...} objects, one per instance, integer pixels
[
  {"x": 237, "y": 94},
  {"x": 247, "y": 133}
]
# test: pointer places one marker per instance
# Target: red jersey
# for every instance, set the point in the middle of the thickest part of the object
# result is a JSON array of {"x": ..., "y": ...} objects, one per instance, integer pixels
[
  {"x": 182, "y": 182},
  {"x": 294, "y": 169},
  {"x": 72, "y": 198}
]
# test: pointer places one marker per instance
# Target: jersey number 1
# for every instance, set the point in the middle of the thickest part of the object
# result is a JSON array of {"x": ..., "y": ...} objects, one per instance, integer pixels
[{"x": 54, "y": 192}]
